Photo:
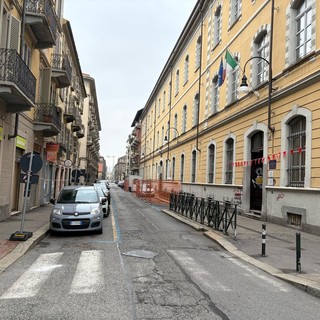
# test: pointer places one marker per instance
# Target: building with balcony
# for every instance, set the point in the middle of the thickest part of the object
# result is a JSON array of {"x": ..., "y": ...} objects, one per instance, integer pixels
[
  {"x": 42, "y": 94},
  {"x": 233, "y": 114}
]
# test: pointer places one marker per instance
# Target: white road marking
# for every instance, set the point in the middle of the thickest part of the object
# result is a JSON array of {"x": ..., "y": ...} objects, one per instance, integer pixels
[
  {"x": 29, "y": 284},
  {"x": 198, "y": 272},
  {"x": 274, "y": 283},
  {"x": 88, "y": 277}
]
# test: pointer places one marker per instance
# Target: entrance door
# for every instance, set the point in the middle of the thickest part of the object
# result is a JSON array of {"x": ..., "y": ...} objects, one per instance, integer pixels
[{"x": 256, "y": 180}]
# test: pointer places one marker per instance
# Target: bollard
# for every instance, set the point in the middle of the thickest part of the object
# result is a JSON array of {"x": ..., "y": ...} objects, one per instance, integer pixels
[
  {"x": 298, "y": 252},
  {"x": 263, "y": 248}
]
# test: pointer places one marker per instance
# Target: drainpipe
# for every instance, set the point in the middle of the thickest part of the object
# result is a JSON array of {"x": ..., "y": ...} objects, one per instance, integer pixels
[{"x": 22, "y": 42}]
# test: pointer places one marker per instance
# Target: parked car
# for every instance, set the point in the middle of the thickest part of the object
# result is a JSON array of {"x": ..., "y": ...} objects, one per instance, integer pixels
[
  {"x": 103, "y": 195},
  {"x": 77, "y": 208},
  {"x": 105, "y": 188},
  {"x": 121, "y": 184}
]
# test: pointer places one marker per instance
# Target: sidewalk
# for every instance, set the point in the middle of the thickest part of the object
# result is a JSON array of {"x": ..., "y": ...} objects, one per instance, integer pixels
[
  {"x": 36, "y": 221},
  {"x": 280, "y": 249},
  {"x": 280, "y": 259}
]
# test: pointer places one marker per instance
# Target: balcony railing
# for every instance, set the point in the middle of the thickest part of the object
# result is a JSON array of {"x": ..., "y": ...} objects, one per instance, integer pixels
[
  {"x": 70, "y": 112},
  {"x": 42, "y": 19},
  {"x": 18, "y": 84},
  {"x": 61, "y": 69},
  {"x": 47, "y": 119}
]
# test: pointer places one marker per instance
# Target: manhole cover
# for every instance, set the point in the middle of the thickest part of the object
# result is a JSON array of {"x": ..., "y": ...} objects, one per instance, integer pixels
[{"x": 140, "y": 254}]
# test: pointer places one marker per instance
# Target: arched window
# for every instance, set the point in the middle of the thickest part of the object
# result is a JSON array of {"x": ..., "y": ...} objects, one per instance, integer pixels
[
  {"x": 177, "y": 82},
  {"x": 214, "y": 95},
  {"x": 198, "y": 53},
  {"x": 195, "y": 117},
  {"x": 297, "y": 154},
  {"x": 193, "y": 166},
  {"x": 229, "y": 149},
  {"x": 211, "y": 155},
  {"x": 186, "y": 69},
  {"x": 182, "y": 168},
  {"x": 184, "y": 119}
]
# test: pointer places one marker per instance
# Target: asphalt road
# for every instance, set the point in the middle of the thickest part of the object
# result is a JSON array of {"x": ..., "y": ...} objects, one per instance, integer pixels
[{"x": 146, "y": 265}]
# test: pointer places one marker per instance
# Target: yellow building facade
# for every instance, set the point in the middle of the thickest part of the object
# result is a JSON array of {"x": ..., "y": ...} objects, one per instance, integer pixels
[{"x": 235, "y": 113}]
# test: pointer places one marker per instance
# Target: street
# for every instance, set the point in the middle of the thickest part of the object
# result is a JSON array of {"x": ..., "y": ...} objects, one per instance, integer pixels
[{"x": 146, "y": 265}]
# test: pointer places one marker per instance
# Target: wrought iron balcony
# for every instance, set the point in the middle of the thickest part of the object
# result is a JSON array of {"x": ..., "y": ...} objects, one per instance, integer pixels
[
  {"x": 76, "y": 125},
  {"x": 81, "y": 132},
  {"x": 17, "y": 83},
  {"x": 89, "y": 140},
  {"x": 70, "y": 112},
  {"x": 47, "y": 119},
  {"x": 43, "y": 22},
  {"x": 61, "y": 70}
]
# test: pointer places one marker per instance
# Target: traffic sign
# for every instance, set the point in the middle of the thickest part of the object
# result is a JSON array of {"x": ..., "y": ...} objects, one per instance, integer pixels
[{"x": 36, "y": 162}]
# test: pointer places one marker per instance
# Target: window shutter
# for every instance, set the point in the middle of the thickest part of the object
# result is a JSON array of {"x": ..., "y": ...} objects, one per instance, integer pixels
[{"x": 14, "y": 34}]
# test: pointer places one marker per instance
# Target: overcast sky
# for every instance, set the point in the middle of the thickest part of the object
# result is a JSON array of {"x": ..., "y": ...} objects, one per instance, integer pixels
[{"x": 124, "y": 45}]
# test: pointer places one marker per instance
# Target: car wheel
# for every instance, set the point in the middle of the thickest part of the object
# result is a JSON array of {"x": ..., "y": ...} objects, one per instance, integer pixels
[
  {"x": 108, "y": 211},
  {"x": 100, "y": 231}
]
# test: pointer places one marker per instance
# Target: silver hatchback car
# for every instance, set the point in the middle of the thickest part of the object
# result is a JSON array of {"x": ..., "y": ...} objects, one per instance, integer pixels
[{"x": 78, "y": 208}]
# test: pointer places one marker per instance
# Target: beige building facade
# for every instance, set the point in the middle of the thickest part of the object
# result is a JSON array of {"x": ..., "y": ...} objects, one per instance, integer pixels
[
  {"x": 42, "y": 94},
  {"x": 234, "y": 113}
]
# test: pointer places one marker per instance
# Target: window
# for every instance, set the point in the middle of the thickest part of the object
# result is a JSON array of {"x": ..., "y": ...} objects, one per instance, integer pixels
[
  {"x": 186, "y": 69},
  {"x": 159, "y": 103},
  {"x": 198, "y": 53},
  {"x": 297, "y": 155},
  {"x": 167, "y": 169},
  {"x": 173, "y": 167},
  {"x": 162, "y": 136},
  {"x": 164, "y": 101},
  {"x": 211, "y": 154},
  {"x": 195, "y": 119},
  {"x": 217, "y": 27},
  {"x": 193, "y": 166},
  {"x": 169, "y": 92},
  {"x": 261, "y": 65},
  {"x": 177, "y": 82},
  {"x": 184, "y": 119},
  {"x": 214, "y": 95},
  {"x": 175, "y": 125},
  {"x": 304, "y": 28},
  {"x": 235, "y": 6},
  {"x": 182, "y": 168},
  {"x": 232, "y": 85},
  {"x": 229, "y": 146}
]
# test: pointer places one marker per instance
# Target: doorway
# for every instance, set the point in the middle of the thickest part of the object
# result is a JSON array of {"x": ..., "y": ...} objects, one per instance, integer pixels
[{"x": 256, "y": 176}]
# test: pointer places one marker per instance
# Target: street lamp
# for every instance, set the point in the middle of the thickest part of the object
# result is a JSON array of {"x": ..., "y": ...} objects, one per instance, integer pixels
[
  {"x": 244, "y": 87},
  {"x": 167, "y": 136}
]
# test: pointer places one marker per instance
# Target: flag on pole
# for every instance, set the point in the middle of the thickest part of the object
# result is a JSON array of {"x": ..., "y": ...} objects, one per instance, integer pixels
[
  {"x": 221, "y": 74},
  {"x": 231, "y": 63}
]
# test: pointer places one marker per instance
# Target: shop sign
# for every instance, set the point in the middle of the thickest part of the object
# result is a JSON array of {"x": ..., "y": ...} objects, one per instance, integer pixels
[
  {"x": 52, "y": 151},
  {"x": 21, "y": 143}
]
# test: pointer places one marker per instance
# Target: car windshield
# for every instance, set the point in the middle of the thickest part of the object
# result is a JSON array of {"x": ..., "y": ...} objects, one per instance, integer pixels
[
  {"x": 78, "y": 196},
  {"x": 100, "y": 191}
]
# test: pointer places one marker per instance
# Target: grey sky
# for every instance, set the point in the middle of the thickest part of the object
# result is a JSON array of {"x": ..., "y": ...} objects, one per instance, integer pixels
[{"x": 124, "y": 45}]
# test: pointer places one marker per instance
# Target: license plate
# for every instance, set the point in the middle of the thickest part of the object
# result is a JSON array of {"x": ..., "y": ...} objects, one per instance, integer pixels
[{"x": 75, "y": 223}]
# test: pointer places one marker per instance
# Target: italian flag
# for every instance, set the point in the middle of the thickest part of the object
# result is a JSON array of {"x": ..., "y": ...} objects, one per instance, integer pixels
[{"x": 231, "y": 63}]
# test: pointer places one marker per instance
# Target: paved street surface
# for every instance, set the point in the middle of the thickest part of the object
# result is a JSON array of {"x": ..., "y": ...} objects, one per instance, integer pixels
[{"x": 146, "y": 265}]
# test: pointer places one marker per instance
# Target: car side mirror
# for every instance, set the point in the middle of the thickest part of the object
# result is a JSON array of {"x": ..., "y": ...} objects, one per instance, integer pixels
[
  {"x": 52, "y": 201},
  {"x": 103, "y": 200}
]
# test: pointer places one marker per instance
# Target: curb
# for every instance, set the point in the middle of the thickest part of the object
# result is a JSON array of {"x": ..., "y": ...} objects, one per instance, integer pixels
[
  {"x": 23, "y": 247},
  {"x": 307, "y": 285}
]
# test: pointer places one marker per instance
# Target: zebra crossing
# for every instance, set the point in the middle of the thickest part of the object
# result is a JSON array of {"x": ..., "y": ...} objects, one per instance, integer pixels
[{"x": 88, "y": 277}]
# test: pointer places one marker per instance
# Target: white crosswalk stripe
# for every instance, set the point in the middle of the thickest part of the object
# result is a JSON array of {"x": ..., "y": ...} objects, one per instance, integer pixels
[
  {"x": 29, "y": 284},
  {"x": 88, "y": 277}
]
